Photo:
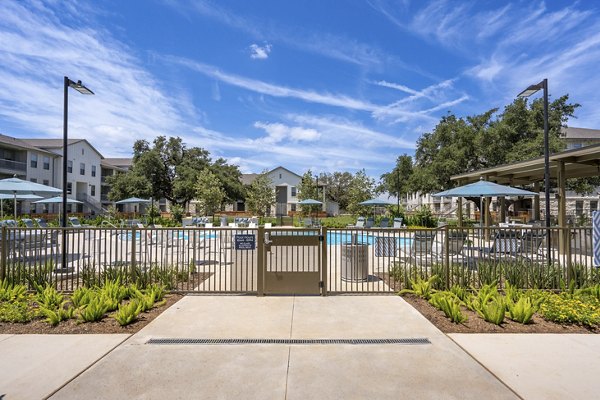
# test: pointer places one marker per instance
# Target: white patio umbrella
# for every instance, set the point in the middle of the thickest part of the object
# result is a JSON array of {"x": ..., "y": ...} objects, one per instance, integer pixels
[
  {"x": 11, "y": 197},
  {"x": 16, "y": 186},
  {"x": 133, "y": 200},
  {"x": 57, "y": 200}
]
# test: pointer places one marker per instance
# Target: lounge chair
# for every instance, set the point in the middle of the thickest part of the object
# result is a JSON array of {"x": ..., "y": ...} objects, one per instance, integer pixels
[
  {"x": 28, "y": 223},
  {"x": 268, "y": 225},
  {"x": 41, "y": 223},
  {"x": 531, "y": 245},
  {"x": 74, "y": 221},
  {"x": 360, "y": 223}
]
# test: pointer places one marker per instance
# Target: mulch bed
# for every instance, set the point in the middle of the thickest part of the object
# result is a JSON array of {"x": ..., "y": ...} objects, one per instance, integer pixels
[{"x": 106, "y": 325}]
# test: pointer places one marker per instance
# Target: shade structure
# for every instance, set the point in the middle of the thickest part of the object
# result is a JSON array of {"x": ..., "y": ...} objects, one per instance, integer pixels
[
  {"x": 132, "y": 200},
  {"x": 309, "y": 202},
  {"x": 484, "y": 189},
  {"x": 16, "y": 186}
]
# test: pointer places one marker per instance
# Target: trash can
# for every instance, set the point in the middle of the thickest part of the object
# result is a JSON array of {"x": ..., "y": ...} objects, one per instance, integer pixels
[{"x": 355, "y": 266}]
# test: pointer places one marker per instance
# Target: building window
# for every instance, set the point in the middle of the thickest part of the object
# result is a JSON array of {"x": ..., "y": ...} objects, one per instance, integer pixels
[
  {"x": 70, "y": 166},
  {"x": 82, "y": 151},
  {"x": 33, "y": 180},
  {"x": 593, "y": 206},
  {"x": 294, "y": 191},
  {"x": 69, "y": 187},
  {"x": 279, "y": 176},
  {"x": 92, "y": 190},
  {"x": 46, "y": 182},
  {"x": 293, "y": 207},
  {"x": 82, "y": 169},
  {"x": 579, "y": 207},
  {"x": 33, "y": 162},
  {"x": 47, "y": 163},
  {"x": 93, "y": 170}
]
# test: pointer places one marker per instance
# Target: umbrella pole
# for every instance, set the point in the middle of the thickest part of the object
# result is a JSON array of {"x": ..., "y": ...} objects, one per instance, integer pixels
[{"x": 15, "y": 202}]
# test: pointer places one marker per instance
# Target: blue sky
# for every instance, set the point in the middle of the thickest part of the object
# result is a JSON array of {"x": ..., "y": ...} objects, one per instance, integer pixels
[{"x": 325, "y": 85}]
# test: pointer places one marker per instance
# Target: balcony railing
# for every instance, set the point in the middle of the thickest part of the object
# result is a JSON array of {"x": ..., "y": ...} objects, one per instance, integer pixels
[{"x": 13, "y": 165}]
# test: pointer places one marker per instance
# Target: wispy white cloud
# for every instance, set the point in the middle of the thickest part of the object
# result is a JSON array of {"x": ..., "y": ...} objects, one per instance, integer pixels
[
  {"x": 278, "y": 132},
  {"x": 260, "y": 52},
  {"x": 336, "y": 47},
  {"x": 37, "y": 48}
]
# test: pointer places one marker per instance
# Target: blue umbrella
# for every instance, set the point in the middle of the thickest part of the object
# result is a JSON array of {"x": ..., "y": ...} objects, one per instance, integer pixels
[
  {"x": 16, "y": 186},
  {"x": 484, "y": 189}
]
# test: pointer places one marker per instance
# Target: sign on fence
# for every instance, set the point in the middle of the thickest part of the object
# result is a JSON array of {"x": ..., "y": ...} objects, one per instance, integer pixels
[
  {"x": 245, "y": 242},
  {"x": 596, "y": 237}
]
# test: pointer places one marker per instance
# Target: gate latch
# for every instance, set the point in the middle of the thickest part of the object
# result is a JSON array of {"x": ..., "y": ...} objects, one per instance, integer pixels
[
  {"x": 321, "y": 238},
  {"x": 321, "y": 284}
]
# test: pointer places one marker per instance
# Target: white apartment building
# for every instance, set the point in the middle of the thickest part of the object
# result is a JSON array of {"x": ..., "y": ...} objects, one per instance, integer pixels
[{"x": 40, "y": 161}]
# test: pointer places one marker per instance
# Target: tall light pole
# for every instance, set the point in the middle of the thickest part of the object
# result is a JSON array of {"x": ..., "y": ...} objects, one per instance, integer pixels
[
  {"x": 83, "y": 90},
  {"x": 543, "y": 85}
]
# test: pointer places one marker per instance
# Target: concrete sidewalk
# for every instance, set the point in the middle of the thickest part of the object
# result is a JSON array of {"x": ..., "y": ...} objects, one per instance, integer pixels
[{"x": 283, "y": 371}]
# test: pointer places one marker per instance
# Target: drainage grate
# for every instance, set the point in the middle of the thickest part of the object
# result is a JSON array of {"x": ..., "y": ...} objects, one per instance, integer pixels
[{"x": 409, "y": 341}]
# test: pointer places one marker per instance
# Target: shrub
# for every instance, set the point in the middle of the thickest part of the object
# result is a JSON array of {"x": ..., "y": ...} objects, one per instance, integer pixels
[
  {"x": 522, "y": 311},
  {"x": 127, "y": 313},
  {"x": 82, "y": 296},
  {"x": 584, "y": 310},
  {"x": 114, "y": 290},
  {"x": 55, "y": 316},
  {"x": 16, "y": 311},
  {"x": 422, "y": 288},
  {"x": 9, "y": 292},
  {"x": 450, "y": 305},
  {"x": 49, "y": 298},
  {"x": 488, "y": 272},
  {"x": 94, "y": 310},
  {"x": 493, "y": 311}
]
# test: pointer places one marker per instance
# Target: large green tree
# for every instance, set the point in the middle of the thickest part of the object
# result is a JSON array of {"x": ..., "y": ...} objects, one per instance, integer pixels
[
  {"x": 260, "y": 195},
  {"x": 170, "y": 170},
  {"x": 336, "y": 187},
  {"x": 361, "y": 188},
  {"x": 458, "y": 145}
]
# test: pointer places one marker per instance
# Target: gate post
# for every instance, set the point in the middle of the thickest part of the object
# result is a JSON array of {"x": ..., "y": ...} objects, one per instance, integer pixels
[
  {"x": 133, "y": 255},
  {"x": 324, "y": 261},
  {"x": 261, "y": 259}
]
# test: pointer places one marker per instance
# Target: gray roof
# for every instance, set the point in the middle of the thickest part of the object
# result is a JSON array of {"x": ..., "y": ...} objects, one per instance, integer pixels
[
  {"x": 581, "y": 133},
  {"x": 20, "y": 144},
  {"x": 57, "y": 143},
  {"x": 118, "y": 162},
  {"x": 247, "y": 179}
]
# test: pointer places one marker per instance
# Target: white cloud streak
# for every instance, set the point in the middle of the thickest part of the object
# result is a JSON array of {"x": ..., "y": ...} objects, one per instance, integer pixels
[{"x": 260, "y": 52}]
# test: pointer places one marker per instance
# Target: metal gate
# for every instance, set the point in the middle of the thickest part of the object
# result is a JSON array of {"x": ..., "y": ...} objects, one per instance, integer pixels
[{"x": 292, "y": 261}]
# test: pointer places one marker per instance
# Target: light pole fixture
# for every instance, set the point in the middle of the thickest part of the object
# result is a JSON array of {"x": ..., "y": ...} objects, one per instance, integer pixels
[
  {"x": 83, "y": 90},
  {"x": 543, "y": 85}
]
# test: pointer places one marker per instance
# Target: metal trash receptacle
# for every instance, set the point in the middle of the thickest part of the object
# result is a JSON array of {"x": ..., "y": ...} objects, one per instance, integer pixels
[{"x": 355, "y": 266}]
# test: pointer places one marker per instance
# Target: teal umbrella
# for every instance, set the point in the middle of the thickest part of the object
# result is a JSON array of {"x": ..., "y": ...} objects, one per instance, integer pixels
[{"x": 16, "y": 186}]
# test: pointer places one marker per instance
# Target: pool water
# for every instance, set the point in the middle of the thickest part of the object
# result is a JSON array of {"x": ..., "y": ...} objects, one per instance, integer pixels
[
  {"x": 335, "y": 238},
  {"x": 176, "y": 235}
]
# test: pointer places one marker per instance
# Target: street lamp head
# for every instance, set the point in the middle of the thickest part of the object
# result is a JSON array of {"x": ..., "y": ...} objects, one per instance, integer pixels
[
  {"x": 80, "y": 87},
  {"x": 531, "y": 90}
]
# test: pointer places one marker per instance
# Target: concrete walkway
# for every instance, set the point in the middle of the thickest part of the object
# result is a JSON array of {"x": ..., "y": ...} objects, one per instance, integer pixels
[
  {"x": 283, "y": 371},
  {"x": 457, "y": 366}
]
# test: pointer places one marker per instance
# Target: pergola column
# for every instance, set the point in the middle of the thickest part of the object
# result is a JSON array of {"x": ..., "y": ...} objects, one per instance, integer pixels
[
  {"x": 502, "y": 209},
  {"x": 536, "y": 202},
  {"x": 459, "y": 212},
  {"x": 564, "y": 247}
]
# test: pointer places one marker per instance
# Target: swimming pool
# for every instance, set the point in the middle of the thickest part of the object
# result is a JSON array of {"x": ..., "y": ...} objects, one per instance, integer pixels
[
  {"x": 174, "y": 234},
  {"x": 335, "y": 238}
]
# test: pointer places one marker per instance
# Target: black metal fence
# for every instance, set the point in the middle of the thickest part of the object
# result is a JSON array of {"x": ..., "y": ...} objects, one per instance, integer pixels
[{"x": 225, "y": 260}]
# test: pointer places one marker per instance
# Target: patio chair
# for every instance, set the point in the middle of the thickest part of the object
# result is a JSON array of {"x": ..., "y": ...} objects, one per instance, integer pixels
[
  {"x": 531, "y": 245},
  {"x": 384, "y": 223},
  {"x": 422, "y": 249},
  {"x": 370, "y": 222},
  {"x": 74, "y": 221},
  {"x": 398, "y": 223},
  {"x": 10, "y": 223}
]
